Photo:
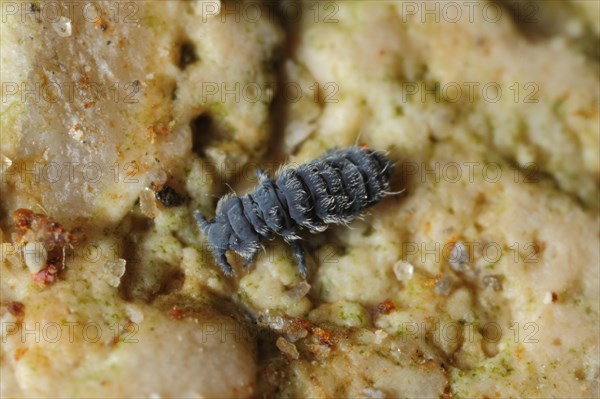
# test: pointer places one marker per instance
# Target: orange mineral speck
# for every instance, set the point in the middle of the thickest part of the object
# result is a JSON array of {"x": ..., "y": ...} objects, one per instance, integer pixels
[
  {"x": 177, "y": 312},
  {"x": 519, "y": 353},
  {"x": 84, "y": 81},
  {"x": 102, "y": 24},
  {"x": 19, "y": 353},
  {"x": 427, "y": 228},
  {"x": 385, "y": 307},
  {"x": 322, "y": 335},
  {"x": 430, "y": 282},
  {"x": 452, "y": 240}
]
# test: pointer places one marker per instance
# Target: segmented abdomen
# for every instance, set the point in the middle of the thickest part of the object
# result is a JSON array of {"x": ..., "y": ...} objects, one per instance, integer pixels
[{"x": 335, "y": 188}]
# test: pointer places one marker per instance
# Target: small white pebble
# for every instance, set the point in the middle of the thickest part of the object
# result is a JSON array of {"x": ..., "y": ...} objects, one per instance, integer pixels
[
  {"x": 157, "y": 176},
  {"x": 298, "y": 291},
  {"x": 274, "y": 322},
  {"x": 492, "y": 281},
  {"x": 380, "y": 335},
  {"x": 443, "y": 286},
  {"x": 113, "y": 271},
  {"x": 459, "y": 257},
  {"x": 287, "y": 347},
  {"x": 404, "y": 271},
  {"x": 134, "y": 313},
  {"x": 63, "y": 27},
  {"x": 547, "y": 298},
  {"x": 373, "y": 393},
  {"x": 148, "y": 204},
  {"x": 76, "y": 132},
  {"x": 320, "y": 351},
  {"x": 295, "y": 334},
  {"x": 35, "y": 256}
]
